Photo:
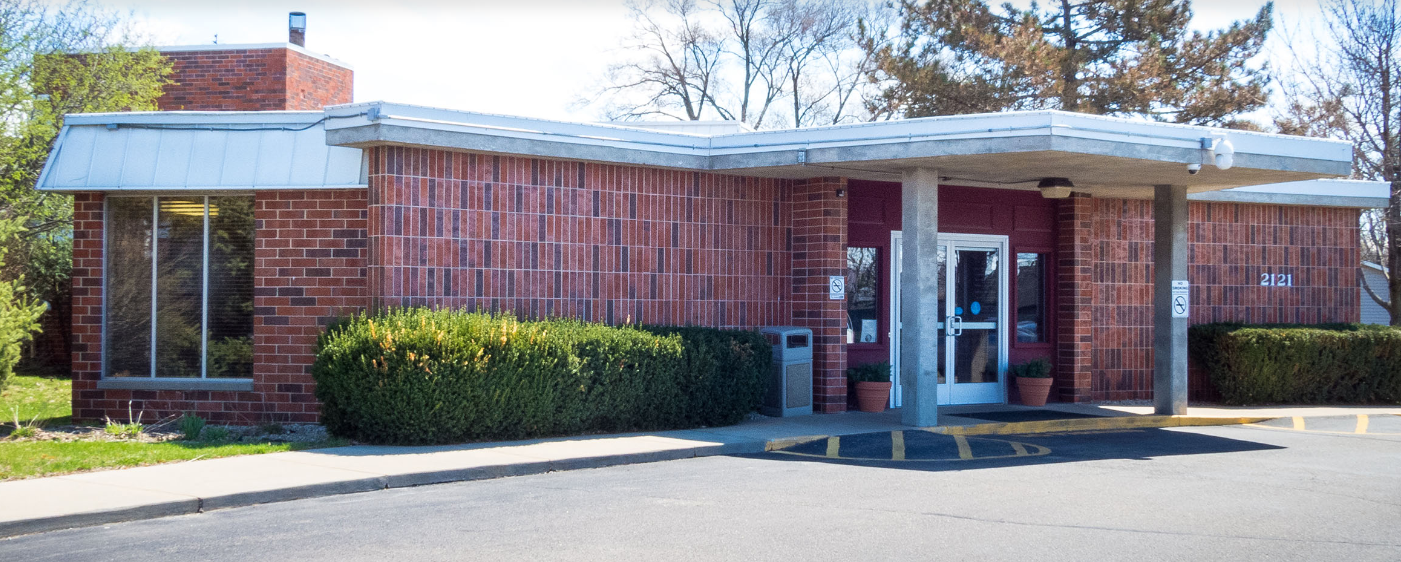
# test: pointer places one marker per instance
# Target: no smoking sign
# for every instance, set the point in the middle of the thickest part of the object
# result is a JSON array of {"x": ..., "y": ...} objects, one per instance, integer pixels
[{"x": 1181, "y": 298}]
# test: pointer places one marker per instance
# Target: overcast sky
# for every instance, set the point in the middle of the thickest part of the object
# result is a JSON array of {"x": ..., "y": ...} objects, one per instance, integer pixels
[{"x": 516, "y": 57}]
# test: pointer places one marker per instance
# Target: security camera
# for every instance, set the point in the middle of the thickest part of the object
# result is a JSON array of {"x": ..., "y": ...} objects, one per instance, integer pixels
[{"x": 1194, "y": 168}]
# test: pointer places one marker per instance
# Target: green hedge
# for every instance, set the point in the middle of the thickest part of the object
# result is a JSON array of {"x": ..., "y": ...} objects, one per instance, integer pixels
[
  {"x": 418, "y": 376},
  {"x": 1321, "y": 364}
]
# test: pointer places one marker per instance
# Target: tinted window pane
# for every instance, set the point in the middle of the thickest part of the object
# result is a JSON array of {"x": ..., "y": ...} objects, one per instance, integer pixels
[
  {"x": 862, "y": 294},
  {"x": 231, "y": 287},
  {"x": 1031, "y": 298},
  {"x": 128, "y": 329},
  {"x": 179, "y": 286}
]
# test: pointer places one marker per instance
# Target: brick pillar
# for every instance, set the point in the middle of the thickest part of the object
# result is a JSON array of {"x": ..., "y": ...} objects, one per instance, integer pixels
[
  {"x": 819, "y": 252},
  {"x": 87, "y": 304},
  {"x": 1074, "y": 296}
]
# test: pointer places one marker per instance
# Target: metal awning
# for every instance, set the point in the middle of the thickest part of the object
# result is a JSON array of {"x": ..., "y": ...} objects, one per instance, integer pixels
[{"x": 199, "y": 151}]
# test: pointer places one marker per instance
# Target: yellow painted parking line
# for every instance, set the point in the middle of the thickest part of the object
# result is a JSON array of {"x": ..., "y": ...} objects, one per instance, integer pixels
[
  {"x": 1361, "y": 423},
  {"x": 1363, "y": 427},
  {"x": 900, "y": 450},
  {"x": 1298, "y": 423},
  {"x": 964, "y": 452}
]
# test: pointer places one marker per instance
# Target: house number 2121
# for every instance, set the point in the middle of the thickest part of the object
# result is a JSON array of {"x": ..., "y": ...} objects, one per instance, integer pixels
[{"x": 1276, "y": 279}]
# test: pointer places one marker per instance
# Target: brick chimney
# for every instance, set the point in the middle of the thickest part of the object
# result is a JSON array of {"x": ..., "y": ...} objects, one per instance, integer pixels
[{"x": 296, "y": 28}]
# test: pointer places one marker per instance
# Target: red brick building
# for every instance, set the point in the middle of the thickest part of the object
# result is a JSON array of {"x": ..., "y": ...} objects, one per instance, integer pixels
[{"x": 207, "y": 261}]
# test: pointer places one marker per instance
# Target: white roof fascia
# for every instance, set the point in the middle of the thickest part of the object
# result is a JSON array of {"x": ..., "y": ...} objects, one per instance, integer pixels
[
  {"x": 1358, "y": 194},
  {"x": 253, "y": 47},
  {"x": 837, "y": 144},
  {"x": 199, "y": 151}
]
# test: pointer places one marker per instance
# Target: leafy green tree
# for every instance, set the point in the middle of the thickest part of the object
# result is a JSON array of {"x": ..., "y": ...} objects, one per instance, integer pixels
[
  {"x": 56, "y": 60},
  {"x": 19, "y": 312},
  {"x": 1110, "y": 57}
]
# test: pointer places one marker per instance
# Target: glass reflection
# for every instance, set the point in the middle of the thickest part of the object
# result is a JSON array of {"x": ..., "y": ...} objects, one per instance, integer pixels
[
  {"x": 230, "y": 338},
  {"x": 862, "y": 285},
  {"x": 179, "y": 286},
  {"x": 128, "y": 287},
  {"x": 976, "y": 301},
  {"x": 1031, "y": 298}
]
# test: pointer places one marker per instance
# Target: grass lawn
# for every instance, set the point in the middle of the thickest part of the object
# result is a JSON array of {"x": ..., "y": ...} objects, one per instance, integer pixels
[
  {"x": 28, "y": 459},
  {"x": 48, "y": 398}
]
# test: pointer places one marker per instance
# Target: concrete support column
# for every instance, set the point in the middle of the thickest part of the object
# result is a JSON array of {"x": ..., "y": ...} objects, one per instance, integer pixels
[
  {"x": 1169, "y": 332},
  {"x": 919, "y": 298}
]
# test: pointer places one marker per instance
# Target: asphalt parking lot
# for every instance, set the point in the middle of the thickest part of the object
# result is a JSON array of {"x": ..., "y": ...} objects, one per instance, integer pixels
[{"x": 1264, "y": 492}]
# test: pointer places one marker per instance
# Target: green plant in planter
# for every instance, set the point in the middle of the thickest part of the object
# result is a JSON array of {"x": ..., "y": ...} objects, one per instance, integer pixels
[
  {"x": 874, "y": 372},
  {"x": 1035, "y": 369}
]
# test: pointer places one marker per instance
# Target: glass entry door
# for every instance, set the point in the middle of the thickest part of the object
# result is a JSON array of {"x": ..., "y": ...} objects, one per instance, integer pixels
[
  {"x": 974, "y": 324},
  {"x": 972, "y": 338}
]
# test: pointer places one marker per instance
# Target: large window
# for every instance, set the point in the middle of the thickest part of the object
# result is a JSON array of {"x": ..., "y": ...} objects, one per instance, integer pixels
[
  {"x": 179, "y": 288},
  {"x": 1031, "y": 298},
  {"x": 863, "y": 295}
]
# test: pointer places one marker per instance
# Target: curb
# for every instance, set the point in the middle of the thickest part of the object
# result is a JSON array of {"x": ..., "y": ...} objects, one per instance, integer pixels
[
  {"x": 15, "y": 528},
  {"x": 1090, "y": 424}
]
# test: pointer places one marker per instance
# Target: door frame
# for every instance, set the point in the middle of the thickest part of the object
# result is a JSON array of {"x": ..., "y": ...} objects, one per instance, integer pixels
[{"x": 951, "y": 241}]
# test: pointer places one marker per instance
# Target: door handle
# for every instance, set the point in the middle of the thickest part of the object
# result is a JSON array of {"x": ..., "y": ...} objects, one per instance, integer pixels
[{"x": 958, "y": 325}]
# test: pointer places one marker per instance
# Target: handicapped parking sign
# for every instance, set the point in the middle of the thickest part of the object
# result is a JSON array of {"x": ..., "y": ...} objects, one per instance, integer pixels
[{"x": 1181, "y": 298}]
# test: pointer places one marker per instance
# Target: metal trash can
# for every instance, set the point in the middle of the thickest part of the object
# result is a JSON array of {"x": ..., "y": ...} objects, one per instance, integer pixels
[{"x": 790, "y": 379}]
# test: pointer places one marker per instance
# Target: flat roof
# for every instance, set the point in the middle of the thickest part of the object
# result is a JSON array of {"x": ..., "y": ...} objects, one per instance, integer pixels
[
  {"x": 253, "y": 47},
  {"x": 1109, "y": 156}
]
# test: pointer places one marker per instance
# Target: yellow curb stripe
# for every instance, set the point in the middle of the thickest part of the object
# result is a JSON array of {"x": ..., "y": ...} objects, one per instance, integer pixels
[
  {"x": 1090, "y": 424},
  {"x": 834, "y": 446},
  {"x": 1361, "y": 423},
  {"x": 1298, "y": 423},
  {"x": 964, "y": 452},
  {"x": 897, "y": 445}
]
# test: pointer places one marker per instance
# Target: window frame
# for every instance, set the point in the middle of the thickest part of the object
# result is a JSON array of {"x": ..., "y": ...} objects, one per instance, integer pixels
[
  {"x": 881, "y": 304},
  {"x": 153, "y": 382},
  {"x": 1048, "y": 335}
]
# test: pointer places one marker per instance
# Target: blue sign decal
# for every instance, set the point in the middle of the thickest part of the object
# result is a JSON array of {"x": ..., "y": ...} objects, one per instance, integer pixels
[
  {"x": 976, "y": 307},
  {"x": 958, "y": 311}
]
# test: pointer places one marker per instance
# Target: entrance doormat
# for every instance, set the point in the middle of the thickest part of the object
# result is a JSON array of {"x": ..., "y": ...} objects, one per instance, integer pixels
[{"x": 1025, "y": 415}]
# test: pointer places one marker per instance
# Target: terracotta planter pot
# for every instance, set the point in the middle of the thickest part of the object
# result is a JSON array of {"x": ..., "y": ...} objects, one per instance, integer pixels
[
  {"x": 872, "y": 396},
  {"x": 1034, "y": 391}
]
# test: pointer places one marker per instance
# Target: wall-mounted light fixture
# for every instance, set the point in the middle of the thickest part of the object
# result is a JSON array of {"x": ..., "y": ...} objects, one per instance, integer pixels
[
  {"x": 841, "y": 192},
  {"x": 1055, "y": 188}
]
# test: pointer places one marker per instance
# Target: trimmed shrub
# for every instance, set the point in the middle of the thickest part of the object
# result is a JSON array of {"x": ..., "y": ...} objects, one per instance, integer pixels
[
  {"x": 1328, "y": 363},
  {"x": 419, "y": 376}
]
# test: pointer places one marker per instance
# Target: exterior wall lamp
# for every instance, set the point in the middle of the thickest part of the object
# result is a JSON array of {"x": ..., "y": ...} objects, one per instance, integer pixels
[{"x": 1055, "y": 188}]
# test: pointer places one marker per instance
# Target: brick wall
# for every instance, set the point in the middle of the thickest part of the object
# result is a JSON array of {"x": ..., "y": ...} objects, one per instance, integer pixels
[
  {"x": 819, "y": 251},
  {"x": 310, "y": 262},
  {"x": 1231, "y": 246},
  {"x": 313, "y": 83},
  {"x": 554, "y": 238},
  {"x": 253, "y": 80},
  {"x": 309, "y": 265}
]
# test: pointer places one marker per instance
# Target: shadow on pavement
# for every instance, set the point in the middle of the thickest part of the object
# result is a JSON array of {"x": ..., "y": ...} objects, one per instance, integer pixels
[{"x": 922, "y": 450}]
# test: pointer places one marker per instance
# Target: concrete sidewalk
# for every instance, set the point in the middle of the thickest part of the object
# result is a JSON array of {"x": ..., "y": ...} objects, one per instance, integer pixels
[{"x": 95, "y": 498}]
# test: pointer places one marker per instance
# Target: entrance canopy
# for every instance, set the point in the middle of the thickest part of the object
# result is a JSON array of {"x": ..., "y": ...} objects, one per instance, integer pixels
[{"x": 1103, "y": 156}]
